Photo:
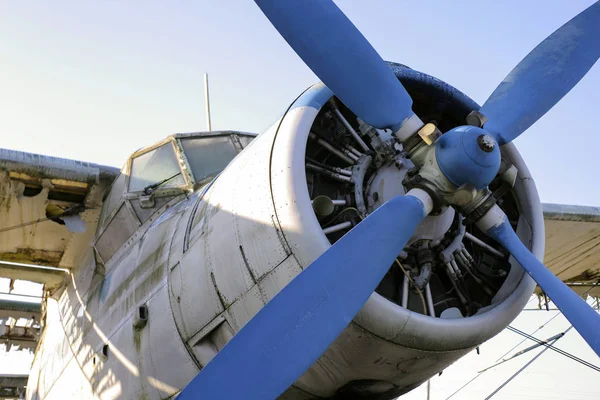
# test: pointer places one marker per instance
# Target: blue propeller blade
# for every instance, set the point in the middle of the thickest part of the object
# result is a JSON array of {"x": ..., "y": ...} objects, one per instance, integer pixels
[
  {"x": 290, "y": 333},
  {"x": 544, "y": 76},
  {"x": 574, "y": 308},
  {"x": 332, "y": 47}
]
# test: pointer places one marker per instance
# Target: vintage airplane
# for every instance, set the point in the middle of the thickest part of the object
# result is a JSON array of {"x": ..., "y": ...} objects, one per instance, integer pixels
[{"x": 381, "y": 229}]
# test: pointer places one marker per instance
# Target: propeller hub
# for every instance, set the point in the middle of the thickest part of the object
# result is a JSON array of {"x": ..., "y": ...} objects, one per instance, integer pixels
[{"x": 468, "y": 155}]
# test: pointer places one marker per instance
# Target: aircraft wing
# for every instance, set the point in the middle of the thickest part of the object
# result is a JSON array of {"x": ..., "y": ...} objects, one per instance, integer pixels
[
  {"x": 49, "y": 209},
  {"x": 573, "y": 246}
]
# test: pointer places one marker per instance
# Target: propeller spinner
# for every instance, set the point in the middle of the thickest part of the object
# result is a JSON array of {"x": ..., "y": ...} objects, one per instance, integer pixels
[{"x": 291, "y": 332}]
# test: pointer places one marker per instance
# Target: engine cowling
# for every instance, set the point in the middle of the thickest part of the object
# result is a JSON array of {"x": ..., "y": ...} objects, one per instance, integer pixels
[{"x": 254, "y": 228}]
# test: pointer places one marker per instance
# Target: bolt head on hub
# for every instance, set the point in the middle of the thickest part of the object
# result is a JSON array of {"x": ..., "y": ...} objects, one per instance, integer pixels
[{"x": 486, "y": 143}]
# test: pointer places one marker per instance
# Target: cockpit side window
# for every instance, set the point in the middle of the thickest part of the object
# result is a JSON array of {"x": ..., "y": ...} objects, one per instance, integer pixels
[
  {"x": 112, "y": 200},
  {"x": 207, "y": 156},
  {"x": 120, "y": 228},
  {"x": 156, "y": 166}
]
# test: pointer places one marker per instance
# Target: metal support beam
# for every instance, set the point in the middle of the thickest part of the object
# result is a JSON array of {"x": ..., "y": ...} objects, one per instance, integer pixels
[{"x": 50, "y": 276}]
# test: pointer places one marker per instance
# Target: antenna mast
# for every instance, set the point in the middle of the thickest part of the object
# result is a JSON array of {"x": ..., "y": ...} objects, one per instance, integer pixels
[{"x": 207, "y": 101}]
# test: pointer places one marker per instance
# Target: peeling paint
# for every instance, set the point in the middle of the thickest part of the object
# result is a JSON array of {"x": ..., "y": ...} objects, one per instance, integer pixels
[{"x": 33, "y": 256}]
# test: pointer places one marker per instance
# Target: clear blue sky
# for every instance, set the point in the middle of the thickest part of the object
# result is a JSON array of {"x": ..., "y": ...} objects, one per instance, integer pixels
[{"x": 97, "y": 81}]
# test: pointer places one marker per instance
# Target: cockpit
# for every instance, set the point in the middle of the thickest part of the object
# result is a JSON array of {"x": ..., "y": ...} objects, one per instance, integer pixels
[{"x": 156, "y": 175}]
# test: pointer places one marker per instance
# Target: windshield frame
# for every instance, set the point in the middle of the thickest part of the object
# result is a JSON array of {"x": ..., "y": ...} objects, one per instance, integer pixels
[
  {"x": 191, "y": 183},
  {"x": 160, "y": 190},
  {"x": 233, "y": 139}
]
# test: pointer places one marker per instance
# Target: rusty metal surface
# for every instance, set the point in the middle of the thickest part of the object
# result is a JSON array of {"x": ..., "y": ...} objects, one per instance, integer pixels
[
  {"x": 30, "y": 186},
  {"x": 42, "y": 166}
]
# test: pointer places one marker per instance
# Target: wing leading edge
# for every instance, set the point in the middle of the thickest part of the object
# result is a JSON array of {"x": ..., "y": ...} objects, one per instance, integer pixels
[{"x": 37, "y": 193}]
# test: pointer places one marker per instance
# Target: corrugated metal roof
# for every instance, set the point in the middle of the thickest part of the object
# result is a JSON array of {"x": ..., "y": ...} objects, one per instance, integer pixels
[{"x": 573, "y": 242}]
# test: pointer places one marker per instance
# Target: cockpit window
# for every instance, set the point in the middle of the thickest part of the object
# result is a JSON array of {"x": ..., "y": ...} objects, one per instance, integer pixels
[
  {"x": 208, "y": 156},
  {"x": 156, "y": 166},
  {"x": 113, "y": 198}
]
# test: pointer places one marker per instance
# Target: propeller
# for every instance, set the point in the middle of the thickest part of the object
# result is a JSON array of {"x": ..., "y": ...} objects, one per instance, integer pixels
[
  {"x": 544, "y": 76},
  {"x": 342, "y": 58},
  {"x": 290, "y": 333},
  {"x": 583, "y": 317}
]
